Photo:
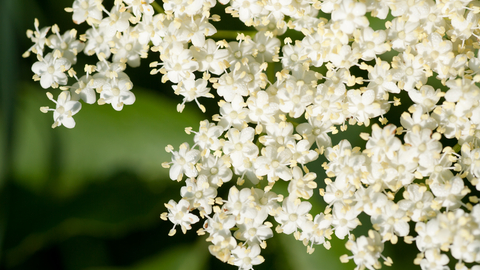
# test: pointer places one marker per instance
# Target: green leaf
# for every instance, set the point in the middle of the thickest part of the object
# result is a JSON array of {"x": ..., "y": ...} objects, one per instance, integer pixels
[{"x": 102, "y": 142}]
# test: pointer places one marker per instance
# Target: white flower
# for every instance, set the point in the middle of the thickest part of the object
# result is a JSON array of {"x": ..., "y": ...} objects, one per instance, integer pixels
[
  {"x": 192, "y": 89},
  {"x": 383, "y": 143},
  {"x": 392, "y": 219},
  {"x": 294, "y": 97},
  {"x": 426, "y": 96},
  {"x": 431, "y": 235},
  {"x": 329, "y": 101},
  {"x": 344, "y": 219},
  {"x": 220, "y": 224},
  {"x": 338, "y": 193},
  {"x": 464, "y": 92},
  {"x": 254, "y": 231},
  {"x": 65, "y": 109},
  {"x": 381, "y": 79},
  {"x": 350, "y": 15},
  {"x": 402, "y": 33},
  {"x": 279, "y": 8},
  {"x": 267, "y": 201},
  {"x": 207, "y": 137},
  {"x": 98, "y": 42},
  {"x": 234, "y": 114},
  {"x": 84, "y": 89},
  {"x": 246, "y": 10},
  {"x": 336, "y": 69},
  {"x": 223, "y": 244},
  {"x": 302, "y": 186},
  {"x": 370, "y": 42},
  {"x": 293, "y": 215},
  {"x": 261, "y": 108},
  {"x": 117, "y": 92},
  {"x": 317, "y": 231},
  {"x": 362, "y": 106},
  {"x": 345, "y": 56},
  {"x": 435, "y": 50},
  {"x": 238, "y": 51},
  {"x": 209, "y": 57},
  {"x": 51, "y": 70},
  {"x": 216, "y": 169},
  {"x": 139, "y": 7},
  {"x": 345, "y": 164},
  {"x": 371, "y": 201},
  {"x": 274, "y": 163},
  {"x": 86, "y": 10},
  {"x": 409, "y": 70},
  {"x": 470, "y": 161},
  {"x": 66, "y": 44},
  {"x": 199, "y": 28},
  {"x": 179, "y": 214},
  {"x": 180, "y": 7},
  {"x": 184, "y": 162},
  {"x": 366, "y": 250},
  {"x": 232, "y": 84},
  {"x": 378, "y": 9},
  {"x": 424, "y": 147},
  {"x": 108, "y": 71},
  {"x": 240, "y": 205},
  {"x": 293, "y": 55},
  {"x": 434, "y": 260},
  {"x": 417, "y": 203},
  {"x": 128, "y": 49},
  {"x": 200, "y": 194},
  {"x": 267, "y": 46},
  {"x": 38, "y": 37},
  {"x": 316, "y": 130},
  {"x": 418, "y": 119},
  {"x": 301, "y": 153},
  {"x": 178, "y": 63},
  {"x": 117, "y": 21},
  {"x": 465, "y": 247},
  {"x": 279, "y": 135},
  {"x": 462, "y": 25},
  {"x": 240, "y": 145},
  {"x": 314, "y": 50},
  {"x": 245, "y": 258},
  {"x": 450, "y": 193}
]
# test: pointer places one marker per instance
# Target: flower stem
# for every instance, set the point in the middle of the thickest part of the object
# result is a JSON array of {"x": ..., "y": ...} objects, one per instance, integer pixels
[
  {"x": 457, "y": 148},
  {"x": 157, "y": 7},
  {"x": 271, "y": 72},
  {"x": 231, "y": 34}
]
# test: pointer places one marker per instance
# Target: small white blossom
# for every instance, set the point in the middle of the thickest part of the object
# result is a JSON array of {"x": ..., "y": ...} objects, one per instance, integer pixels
[
  {"x": 179, "y": 214},
  {"x": 293, "y": 215},
  {"x": 183, "y": 162},
  {"x": 65, "y": 109},
  {"x": 51, "y": 70},
  {"x": 245, "y": 258},
  {"x": 366, "y": 250}
]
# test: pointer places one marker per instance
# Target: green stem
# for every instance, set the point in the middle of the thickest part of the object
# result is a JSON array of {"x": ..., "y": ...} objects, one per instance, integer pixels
[
  {"x": 457, "y": 148},
  {"x": 271, "y": 72},
  {"x": 231, "y": 34},
  {"x": 157, "y": 7}
]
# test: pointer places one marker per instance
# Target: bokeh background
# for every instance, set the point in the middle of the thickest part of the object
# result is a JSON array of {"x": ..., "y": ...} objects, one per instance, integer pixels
[{"x": 90, "y": 197}]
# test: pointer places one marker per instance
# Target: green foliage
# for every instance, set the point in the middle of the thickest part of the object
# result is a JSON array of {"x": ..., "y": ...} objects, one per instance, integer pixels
[{"x": 103, "y": 141}]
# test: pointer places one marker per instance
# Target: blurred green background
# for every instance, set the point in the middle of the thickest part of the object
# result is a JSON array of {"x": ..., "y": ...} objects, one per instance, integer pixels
[{"x": 90, "y": 197}]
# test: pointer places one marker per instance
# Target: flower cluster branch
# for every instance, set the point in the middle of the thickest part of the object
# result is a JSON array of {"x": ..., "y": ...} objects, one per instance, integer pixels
[{"x": 277, "y": 113}]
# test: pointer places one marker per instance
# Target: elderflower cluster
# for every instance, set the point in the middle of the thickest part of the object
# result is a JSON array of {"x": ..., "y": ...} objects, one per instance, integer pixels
[{"x": 280, "y": 101}]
